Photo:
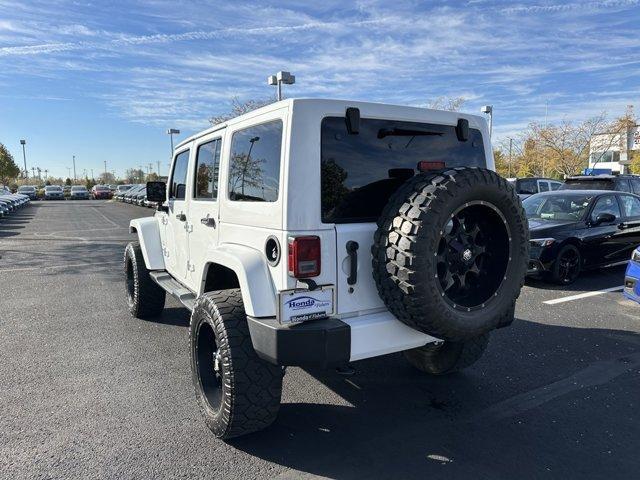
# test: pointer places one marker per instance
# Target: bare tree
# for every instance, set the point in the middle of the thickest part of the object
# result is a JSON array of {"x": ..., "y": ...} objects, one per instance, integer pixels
[
  {"x": 239, "y": 107},
  {"x": 245, "y": 171},
  {"x": 453, "y": 104}
]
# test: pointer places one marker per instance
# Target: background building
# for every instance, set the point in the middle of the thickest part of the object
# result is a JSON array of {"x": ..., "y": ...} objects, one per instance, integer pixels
[{"x": 612, "y": 151}]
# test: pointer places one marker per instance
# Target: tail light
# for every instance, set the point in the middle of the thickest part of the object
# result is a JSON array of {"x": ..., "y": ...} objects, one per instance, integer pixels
[
  {"x": 425, "y": 166},
  {"x": 304, "y": 256}
]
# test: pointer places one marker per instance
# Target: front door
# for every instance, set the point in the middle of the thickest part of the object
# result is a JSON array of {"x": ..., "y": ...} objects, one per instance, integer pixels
[
  {"x": 177, "y": 246},
  {"x": 203, "y": 209},
  {"x": 602, "y": 240}
]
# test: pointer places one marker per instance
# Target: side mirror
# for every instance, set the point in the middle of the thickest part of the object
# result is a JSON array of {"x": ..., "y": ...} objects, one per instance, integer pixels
[
  {"x": 604, "y": 218},
  {"x": 156, "y": 192}
]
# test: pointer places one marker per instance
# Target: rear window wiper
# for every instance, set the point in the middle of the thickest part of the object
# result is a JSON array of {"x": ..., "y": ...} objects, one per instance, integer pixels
[{"x": 404, "y": 132}]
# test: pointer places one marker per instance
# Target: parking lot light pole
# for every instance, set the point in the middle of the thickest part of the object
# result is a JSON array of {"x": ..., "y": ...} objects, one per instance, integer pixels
[
  {"x": 74, "y": 168},
  {"x": 281, "y": 78},
  {"x": 24, "y": 157},
  {"x": 171, "y": 132},
  {"x": 488, "y": 110}
]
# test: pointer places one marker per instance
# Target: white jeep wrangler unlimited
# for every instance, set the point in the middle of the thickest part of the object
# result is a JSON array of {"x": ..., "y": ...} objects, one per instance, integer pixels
[{"x": 320, "y": 232}]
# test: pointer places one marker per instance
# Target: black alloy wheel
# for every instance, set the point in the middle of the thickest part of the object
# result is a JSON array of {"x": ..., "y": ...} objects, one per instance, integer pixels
[
  {"x": 567, "y": 266},
  {"x": 472, "y": 255},
  {"x": 209, "y": 366}
]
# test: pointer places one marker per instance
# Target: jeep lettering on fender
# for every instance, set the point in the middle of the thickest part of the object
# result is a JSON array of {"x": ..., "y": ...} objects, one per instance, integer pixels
[{"x": 322, "y": 232}]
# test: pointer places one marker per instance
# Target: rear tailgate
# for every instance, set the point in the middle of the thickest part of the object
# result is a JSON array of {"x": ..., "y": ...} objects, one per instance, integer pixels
[{"x": 362, "y": 295}]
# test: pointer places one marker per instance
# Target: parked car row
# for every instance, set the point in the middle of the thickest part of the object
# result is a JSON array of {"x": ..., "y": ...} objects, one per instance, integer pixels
[
  {"x": 71, "y": 192},
  {"x": 135, "y": 194},
  {"x": 11, "y": 202}
]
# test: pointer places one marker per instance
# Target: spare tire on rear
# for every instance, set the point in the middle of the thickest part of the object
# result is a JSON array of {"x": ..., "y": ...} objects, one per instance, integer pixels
[{"x": 451, "y": 252}]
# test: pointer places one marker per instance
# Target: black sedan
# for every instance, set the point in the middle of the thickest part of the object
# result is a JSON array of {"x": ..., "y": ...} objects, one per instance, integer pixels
[{"x": 575, "y": 230}]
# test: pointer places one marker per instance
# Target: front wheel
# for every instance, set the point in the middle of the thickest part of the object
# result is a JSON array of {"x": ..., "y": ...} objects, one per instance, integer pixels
[
  {"x": 566, "y": 268},
  {"x": 238, "y": 392},
  {"x": 447, "y": 357}
]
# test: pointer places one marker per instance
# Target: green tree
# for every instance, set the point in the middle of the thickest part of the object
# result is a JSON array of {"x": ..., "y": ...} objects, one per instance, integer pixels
[
  {"x": 67, "y": 182},
  {"x": 8, "y": 168}
]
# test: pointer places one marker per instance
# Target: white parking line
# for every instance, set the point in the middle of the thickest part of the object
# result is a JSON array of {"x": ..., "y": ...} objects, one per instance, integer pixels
[{"x": 583, "y": 295}]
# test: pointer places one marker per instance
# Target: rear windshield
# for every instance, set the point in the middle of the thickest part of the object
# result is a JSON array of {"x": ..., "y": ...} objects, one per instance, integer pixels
[
  {"x": 587, "y": 185},
  {"x": 102, "y": 188},
  {"x": 361, "y": 171},
  {"x": 53, "y": 189},
  {"x": 26, "y": 189},
  {"x": 78, "y": 189}
]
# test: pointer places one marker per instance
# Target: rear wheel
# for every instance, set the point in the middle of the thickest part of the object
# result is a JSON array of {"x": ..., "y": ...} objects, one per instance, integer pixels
[
  {"x": 448, "y": 357},
  {"x": 567, "y": 266},
  {"x": 238, "y": 392},
  {"x": 144, "y": 296}
]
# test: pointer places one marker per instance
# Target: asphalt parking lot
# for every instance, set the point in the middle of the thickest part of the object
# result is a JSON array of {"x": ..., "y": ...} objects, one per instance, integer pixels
[{"x": 86, "y": 391}]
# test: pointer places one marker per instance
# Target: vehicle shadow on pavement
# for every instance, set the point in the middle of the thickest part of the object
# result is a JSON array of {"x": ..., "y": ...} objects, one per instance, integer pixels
[
  {"x": 574, "y": 418},
  {"x": 587, "y": 281},
  {"x": 175, "y": 316},
  {"x": 10, "y": 225}
]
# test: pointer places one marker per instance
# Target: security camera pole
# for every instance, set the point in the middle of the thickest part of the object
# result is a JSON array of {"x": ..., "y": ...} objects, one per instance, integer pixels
[
  {"x": 24, "y": 157},
  {"x": 488, "y": 110},
  {"x": 171, "y": 132},
  {"x": 278, "y": 79}
]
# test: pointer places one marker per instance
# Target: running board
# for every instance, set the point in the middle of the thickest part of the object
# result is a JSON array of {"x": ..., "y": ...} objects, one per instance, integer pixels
[{"x": 174, "y": 288}]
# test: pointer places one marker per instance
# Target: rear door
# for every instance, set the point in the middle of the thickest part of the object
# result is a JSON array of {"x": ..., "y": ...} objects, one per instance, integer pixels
[
  {"x": 360, "y": 172},
  {"x": 204, "y": 208},
  {"x": 630, "y": 225}
]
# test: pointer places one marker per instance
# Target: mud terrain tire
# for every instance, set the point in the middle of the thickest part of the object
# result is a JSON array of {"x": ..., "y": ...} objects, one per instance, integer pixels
[
  {"x": 450, "y": 253},
  {"x": 238, "y": 392}
]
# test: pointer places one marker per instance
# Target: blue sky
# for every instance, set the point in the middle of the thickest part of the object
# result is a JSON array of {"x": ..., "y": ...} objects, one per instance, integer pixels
[{"x": 104, "y": 80}]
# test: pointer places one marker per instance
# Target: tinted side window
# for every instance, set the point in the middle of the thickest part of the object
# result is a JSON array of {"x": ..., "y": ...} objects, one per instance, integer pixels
[
  {"x": 543, "y": 186},
  {"x": 622, "y": 184},
  {"x": 254, "y": 170},
  {"x": 178, "y": 185},
  {"x": 527, "y": 186},
  {"x": 606, "y": 204},
  {"x": 635, "y": 185},
  {"x": 206, "y": 172},
  {"x": 555, "y": 185},
  {"x": 630, "y": 206}
]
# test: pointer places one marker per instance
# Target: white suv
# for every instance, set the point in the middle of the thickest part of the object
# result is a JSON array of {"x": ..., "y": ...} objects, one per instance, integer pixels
[{"x": 320, "y": 232}]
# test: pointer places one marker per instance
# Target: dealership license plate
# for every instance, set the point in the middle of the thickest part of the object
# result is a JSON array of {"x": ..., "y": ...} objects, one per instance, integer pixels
[{"x": 300, "y": 305}]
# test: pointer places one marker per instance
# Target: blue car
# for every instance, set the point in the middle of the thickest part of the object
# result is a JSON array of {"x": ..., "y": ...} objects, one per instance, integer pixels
[{"x": 632, "y": 277}]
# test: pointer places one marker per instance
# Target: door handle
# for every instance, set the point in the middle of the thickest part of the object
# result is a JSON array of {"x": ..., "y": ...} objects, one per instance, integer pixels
[
  {"x": 208, "y": 221},
  {"x": 182, "y": 217},
  {"x": 622, "y": 226},
  {"x": 352, "y": 251}
]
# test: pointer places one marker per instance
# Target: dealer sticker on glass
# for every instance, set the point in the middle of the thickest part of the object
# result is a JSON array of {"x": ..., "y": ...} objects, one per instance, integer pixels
[{"x": 296, "y": 306}]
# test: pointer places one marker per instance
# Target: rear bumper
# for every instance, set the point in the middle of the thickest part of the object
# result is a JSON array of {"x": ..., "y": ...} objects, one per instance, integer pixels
[
  {"x": 330, "y": 342},
  {"x": 323, "y": 343}
]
